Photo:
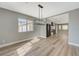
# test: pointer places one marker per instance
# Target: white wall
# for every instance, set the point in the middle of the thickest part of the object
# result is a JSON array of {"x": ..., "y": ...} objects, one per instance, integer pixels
[
  {"x": 9, "y": 27},
  {"x": 74, "y": 26},
  {"x": 43, "y": 31},
  {"x": 40, "y": 30}
]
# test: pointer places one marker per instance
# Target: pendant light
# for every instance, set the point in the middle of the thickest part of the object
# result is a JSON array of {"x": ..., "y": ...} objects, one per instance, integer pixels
[
  {"x": 40, "y": 11},
  {"x": 40, "y": 21}
]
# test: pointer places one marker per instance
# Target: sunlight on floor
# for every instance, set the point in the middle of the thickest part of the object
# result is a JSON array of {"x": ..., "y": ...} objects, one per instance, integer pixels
[
  {"x": 26, "y": 47},
  {"x": 35, "y": 40}
]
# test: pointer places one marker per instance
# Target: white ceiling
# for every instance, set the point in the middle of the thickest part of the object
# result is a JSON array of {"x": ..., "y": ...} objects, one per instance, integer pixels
[{"x": 31, "y": 8}]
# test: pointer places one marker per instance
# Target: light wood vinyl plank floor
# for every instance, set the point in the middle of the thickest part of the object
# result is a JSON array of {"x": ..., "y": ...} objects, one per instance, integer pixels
[{"x": 56, "y": 45}]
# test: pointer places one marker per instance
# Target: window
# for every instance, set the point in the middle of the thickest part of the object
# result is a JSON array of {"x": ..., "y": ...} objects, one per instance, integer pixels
[
  {"x": 29, "y": 25},
  {"x": 25, "y": 25},
  {"x": 60, "y": 27},
  {"x": 65, "y": 27}
]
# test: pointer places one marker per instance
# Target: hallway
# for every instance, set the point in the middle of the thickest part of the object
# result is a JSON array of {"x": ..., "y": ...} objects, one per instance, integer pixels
[{"x": 52, "y": 46}]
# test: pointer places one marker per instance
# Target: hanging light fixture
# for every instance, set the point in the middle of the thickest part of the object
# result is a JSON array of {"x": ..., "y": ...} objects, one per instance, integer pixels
[
  {"x": 40, "y": 11},
  {"x": 40, "y": 21}
]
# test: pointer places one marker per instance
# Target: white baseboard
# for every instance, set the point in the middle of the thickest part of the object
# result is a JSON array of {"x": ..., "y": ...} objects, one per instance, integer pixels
[
  {"x": 43, "y": 36},
  {"x": 11, "y": 43},
  {"x": 74, "y": 44}
]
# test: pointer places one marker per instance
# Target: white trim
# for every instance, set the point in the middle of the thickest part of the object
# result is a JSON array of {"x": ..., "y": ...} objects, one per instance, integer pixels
[
  {"x": 11, "y": 43},
  {"x": 43, "y": 37},
  {"x": 74, "y": 44}
]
